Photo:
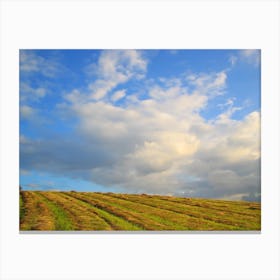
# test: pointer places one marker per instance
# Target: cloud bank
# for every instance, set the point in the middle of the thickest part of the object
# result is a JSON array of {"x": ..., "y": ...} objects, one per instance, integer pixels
[{"x": 153, "y": 140}]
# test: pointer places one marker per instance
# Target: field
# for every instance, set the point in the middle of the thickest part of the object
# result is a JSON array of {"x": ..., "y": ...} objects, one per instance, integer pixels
[{"x": 47, "y": 211}]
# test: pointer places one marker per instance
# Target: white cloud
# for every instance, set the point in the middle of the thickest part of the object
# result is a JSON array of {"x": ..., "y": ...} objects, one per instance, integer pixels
[
  {"x": 229, "y": 111},
  {"x": 210, "y": 84},
  {"x": 28, "y": 93},
  {"x": 251, "y": 56},
  {"x": 159, "y": 93},
  {"x": 114, "y": 68},
  {"x": 75, "y": 96},
  {"x": 31, "y": 62},
  {"x": 118, "y": 95},
  {"x": 27, "y": 112},
  {"x": 161, "y": 144}
]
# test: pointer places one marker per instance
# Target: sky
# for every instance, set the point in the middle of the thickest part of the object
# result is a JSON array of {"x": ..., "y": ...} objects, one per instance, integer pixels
[{"x": 171, "y": 122}]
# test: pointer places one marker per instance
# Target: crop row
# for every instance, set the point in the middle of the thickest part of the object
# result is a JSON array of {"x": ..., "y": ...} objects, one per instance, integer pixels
[{"x": 109, "y": 211}]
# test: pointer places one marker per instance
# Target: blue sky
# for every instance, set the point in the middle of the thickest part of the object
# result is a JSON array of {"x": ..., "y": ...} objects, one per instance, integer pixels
[{"x": 180, "y": 122}]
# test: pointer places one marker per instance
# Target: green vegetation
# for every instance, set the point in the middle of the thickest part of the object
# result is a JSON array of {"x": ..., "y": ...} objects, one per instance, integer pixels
[{"x": 109, "y": 211}]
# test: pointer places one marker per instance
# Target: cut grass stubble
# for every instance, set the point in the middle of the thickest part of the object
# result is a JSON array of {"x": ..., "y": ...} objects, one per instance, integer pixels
[{"x": 109, "y": 211}]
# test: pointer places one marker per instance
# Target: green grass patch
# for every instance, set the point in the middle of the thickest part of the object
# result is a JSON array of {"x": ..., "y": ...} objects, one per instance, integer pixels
[{"x": 62, "y": 221}]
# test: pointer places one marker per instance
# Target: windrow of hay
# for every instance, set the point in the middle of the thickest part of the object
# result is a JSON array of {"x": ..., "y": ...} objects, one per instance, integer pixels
[{"x": 109, "y": 211}]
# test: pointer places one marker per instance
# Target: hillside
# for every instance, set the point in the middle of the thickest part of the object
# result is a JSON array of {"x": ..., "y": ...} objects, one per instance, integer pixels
[{"x": 130, "y": 212}]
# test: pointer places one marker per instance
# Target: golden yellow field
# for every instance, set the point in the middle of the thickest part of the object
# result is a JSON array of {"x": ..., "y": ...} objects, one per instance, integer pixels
[{"x": 48, "y": 211}]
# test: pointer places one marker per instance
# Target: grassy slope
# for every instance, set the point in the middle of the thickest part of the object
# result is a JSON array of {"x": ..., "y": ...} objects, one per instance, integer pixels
[{"x": 109, "y": 211}]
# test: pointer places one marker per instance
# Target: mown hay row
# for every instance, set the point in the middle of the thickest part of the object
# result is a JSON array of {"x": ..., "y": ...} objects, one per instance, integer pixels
[
  {"x": 116, "y": 223},
  {"x": 172, "y": 220},
  {"x": 81, "y": 217},
  {"x": 37, "y": 215},
  {"x": 109, "y": 211},
  {"x": 132, "y": 217},
  {"x": 217, "y": 216},
  {"x": 232, "y": 207}
]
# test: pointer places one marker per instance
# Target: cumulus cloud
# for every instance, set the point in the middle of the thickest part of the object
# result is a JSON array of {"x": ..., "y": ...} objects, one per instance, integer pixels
[
  {"x": 158, "y": 143},
  {"x": 114, "y": 68}
]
